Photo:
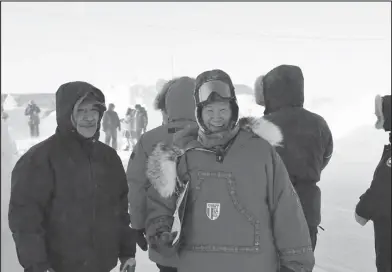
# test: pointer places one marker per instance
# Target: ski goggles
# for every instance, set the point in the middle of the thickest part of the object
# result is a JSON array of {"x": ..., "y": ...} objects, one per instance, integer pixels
[{"x": 219, "y": 87}]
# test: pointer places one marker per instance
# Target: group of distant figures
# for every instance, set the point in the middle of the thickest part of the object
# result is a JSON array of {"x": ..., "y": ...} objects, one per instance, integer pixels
[{"x": 134, "y": 125}]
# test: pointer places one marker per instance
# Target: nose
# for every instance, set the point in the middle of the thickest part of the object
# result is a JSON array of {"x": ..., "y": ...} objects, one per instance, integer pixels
[
  {"x": 217, "y": 115},
  {"x": 88, "y": 116}
]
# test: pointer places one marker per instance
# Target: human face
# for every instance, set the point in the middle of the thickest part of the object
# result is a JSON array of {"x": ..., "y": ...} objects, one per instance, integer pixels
[
  {"x": 86, "y": 118},
  {"x": 216, "y": 116}
]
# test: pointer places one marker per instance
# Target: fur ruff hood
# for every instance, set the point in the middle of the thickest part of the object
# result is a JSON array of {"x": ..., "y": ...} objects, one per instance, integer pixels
[{"x": 162, "y": 163}]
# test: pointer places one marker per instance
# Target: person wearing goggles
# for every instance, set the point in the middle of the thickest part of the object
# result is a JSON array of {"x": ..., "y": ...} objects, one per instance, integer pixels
[{"x": 241, "y": 213}]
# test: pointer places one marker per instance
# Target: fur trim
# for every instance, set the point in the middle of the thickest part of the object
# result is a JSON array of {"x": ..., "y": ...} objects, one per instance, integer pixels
[
  {"x": 159, "y": 101},
  {"x": 263, "y": 128},
  {"x": 162, "y": 163},
  {"x": 379, "y": 113},
  {"x": 258, "y": 91},
  {"x": 162, "y": 168}
]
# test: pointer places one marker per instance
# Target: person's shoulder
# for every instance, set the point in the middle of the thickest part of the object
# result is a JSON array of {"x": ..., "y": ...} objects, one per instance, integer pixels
[
  {"x": 39, "y": 152},
  {"x": 261, "y": 130},
  {"x": 151, "y": 137},
  {"x": 315, "y": 116},
  {"x": 102, "y": 147},
  {"x": 106, "y": 151}
]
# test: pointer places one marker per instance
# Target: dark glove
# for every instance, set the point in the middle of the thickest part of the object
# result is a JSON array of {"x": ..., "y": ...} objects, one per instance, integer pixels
[
  {"x": 183, "y": 137},
  {"x": 162, "y": 243},
  {"x": 141, "y": 239}
]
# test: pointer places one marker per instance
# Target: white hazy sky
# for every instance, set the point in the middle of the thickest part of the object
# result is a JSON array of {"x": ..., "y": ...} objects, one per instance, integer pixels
[{"x": 343, "y": 48}]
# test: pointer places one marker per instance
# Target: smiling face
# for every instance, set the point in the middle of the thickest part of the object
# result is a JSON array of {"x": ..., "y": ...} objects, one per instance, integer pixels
[
  {"x": 216, "y": 116},
  {"x": 86, "y": 118}
]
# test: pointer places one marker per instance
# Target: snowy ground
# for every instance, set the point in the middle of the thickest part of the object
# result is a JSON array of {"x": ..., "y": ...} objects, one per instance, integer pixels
[{"x": 344, "y": 246}]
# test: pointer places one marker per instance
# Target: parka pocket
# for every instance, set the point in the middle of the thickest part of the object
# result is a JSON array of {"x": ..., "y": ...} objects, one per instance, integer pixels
[{"x": 216, "y": 220}]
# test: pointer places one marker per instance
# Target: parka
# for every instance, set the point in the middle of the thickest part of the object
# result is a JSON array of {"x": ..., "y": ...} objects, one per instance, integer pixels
[
  {"x": 68, "y": 208},
  {"x": 242, "y": 212}
]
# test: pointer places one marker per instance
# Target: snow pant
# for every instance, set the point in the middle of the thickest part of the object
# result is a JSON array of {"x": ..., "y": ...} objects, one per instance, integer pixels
[
  {"x": 111, "y": 135},
  {"x": 166, "y": 268},
  {"x": 309, "y": 195},
  {"x": 34, "y": 130},
  {"x": 382, "y": 239}
]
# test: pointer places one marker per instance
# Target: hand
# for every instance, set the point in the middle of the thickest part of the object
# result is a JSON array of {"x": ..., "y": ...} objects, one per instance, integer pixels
[
  {"x": 128, "y": 265},
  {"x": 162, "y": 243},
  {"x": 183, "y": 137},
  {"x": 360, "y": 220}
]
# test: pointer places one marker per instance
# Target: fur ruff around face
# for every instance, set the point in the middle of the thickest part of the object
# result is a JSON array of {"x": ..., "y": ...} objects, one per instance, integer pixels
[
  {"x": 379, "y": 113},
  {"x": 162, "y": 163}
]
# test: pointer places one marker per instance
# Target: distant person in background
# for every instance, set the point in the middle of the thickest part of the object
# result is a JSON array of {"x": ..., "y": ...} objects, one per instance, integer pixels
[
  {"x": 32, "y": 111},
  {"x": 308, "y": 143},
  {"x": 375, "y": 203},
  {"x": 141, "y": 121},
  {"x": 128, "y": 120},
  {"x": 110, "y": 124},
  {"x": 145, "y": 119}
]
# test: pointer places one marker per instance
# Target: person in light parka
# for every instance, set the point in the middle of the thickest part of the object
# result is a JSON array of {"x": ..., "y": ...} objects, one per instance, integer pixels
[{"x": 242, "y": 212}]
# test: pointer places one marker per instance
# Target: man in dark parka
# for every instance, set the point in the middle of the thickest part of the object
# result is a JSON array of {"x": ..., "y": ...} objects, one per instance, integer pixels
[
  {"x": 308, "y": 143},
  {"x": 68, "y": 209},
  {"x": 375, "y": 203}
]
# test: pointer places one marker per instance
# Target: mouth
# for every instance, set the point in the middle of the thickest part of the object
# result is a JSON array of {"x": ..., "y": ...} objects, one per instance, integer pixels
[
  {"x": 217, "y": 126},
  {"x": 88, "y": 126}
]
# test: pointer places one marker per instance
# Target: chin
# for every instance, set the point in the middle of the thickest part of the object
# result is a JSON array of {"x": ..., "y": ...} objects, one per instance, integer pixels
[
  {"x": 218, "y": 129},
  {"x": 87, "y": 133}
]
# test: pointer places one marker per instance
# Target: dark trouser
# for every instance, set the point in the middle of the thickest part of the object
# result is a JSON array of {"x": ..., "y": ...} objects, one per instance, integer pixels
[
  {"x": 313, "y": 230},
  {"x": 111, "y": 134},
  {"x": 310, "y": 196},
  {"x": 382, "y": 239},
  {"x": 34, "y": 130},
  {"x": 166, "y": 268}
]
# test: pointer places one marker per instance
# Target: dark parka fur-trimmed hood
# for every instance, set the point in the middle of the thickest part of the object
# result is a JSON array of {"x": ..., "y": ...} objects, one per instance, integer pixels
[
  {"x": 383, "y": 112},
  {"x": 161, "y": 165},
  {"x": 281, "y": 87},
  {"x": 176, "y": 99}
]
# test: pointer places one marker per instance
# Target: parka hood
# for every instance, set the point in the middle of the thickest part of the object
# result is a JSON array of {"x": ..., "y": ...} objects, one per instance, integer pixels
[
  {"x": 67, "y": 96},
  {"x": 383, "y": 112},
  {"x": 179, "y": 101},
  {"x": 282, "y": 87}
]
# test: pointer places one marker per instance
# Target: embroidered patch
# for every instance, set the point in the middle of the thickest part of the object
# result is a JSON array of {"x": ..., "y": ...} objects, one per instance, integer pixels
[
  {"x": 213, "y": 210},
  {"x": 389, "y": 162}
]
